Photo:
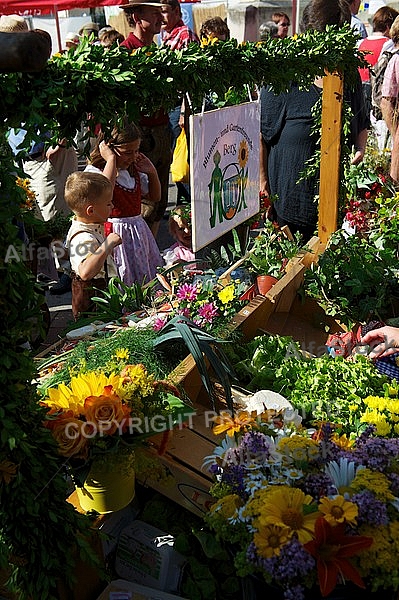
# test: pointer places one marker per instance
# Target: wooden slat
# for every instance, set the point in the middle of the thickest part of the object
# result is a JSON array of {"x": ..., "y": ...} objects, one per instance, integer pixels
[{"x": 330, "y": 155}]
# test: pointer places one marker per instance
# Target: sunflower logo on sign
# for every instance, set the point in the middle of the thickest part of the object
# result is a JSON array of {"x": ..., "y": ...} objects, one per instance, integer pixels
[
  {"x": 227, "y": 186},
  {"x": 243, "y": 154}
]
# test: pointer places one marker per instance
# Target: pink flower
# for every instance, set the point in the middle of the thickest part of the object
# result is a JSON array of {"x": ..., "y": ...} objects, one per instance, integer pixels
[
  {"x": 208, "y": 311},
  {"x": 159, "y": 323},
  {"x": 184, "y": 311},
  {"x": 187, "y": 291}
]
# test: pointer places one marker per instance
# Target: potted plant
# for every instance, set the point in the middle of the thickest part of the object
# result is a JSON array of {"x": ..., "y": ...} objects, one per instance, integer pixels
[
  {"x": 269, "y": 255},
  {"x": 100, "y": 417}
]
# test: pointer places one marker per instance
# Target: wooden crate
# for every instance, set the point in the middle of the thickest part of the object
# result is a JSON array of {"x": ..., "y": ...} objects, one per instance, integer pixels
[{"x": 178, "y": 472}]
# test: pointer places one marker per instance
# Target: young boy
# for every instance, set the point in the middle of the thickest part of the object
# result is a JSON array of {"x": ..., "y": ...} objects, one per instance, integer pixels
[{"x": 89, "y": 196}]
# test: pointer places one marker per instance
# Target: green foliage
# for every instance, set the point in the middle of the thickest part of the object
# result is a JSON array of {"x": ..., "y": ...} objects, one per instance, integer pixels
[
  {"x": 271, "y": 251},
  {"x": 119, "y": 299},
  {"x": 322, "y": 389},
  {"x": 99, "y": 355},
  {"x": 32, "y": 488},
  {"x": 93, "y": 86},
  {"x": 203, "y": 347},
  {"x": 355, "y": 279}
]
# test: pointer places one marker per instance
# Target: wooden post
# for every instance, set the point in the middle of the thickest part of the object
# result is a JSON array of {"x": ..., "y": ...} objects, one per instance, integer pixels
[{"x": 330, "y": 154}]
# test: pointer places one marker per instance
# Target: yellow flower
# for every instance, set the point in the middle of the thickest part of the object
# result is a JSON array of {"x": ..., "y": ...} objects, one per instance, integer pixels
[
  {"x": 285, "y": 507},
  {"x": 342, "y": 441},
  {"x": 122, "y": 354},
  {"x": 227, "y": 506},
  {"x": 135, "y": 382},
  {"x": 226, "y": 295},
  {"x": 72, "y": 397},
  {"x": 209, "y": 40},
  {"x": 338, "y": 510},
  {"x": 241, "y": 421},
  {"x": 376, "y": 482},
  {"x": 270, "y": 538},
  {"x": 298, "y": 448}
]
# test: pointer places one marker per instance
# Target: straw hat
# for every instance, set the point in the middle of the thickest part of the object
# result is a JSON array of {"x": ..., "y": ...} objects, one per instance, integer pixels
[
  {"x": 73, "y": 38},
  {"x": 89, "y": 27},
  {"x": 13, "y": 24},
  {"x": 133, "y": 3}
]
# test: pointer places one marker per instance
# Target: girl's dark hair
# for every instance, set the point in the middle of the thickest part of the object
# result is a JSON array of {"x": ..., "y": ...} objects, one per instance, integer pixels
[
  {"x": 128, "y": 132},
  {"x": 319, "y": 13}
]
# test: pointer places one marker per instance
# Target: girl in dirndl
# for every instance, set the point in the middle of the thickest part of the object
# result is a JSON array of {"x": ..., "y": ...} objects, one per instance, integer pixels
[{"x": 133, "y": 176}]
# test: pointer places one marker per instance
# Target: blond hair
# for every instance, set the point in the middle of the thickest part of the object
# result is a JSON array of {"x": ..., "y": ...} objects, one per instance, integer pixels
[{"x": 83, "y": 188}]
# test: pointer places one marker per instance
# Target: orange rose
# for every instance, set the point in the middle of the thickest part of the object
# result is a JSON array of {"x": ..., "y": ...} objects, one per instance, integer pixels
[
  {"x": 106, "y": 411},
  {"x": 72, "y": 437}
]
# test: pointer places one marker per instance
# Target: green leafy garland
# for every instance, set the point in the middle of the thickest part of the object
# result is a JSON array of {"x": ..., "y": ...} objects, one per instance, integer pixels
[{"x": 91, "y": 85}]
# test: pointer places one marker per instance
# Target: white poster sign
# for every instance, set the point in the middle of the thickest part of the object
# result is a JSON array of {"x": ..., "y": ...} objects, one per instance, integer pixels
[{"x": 224, "y": 170}]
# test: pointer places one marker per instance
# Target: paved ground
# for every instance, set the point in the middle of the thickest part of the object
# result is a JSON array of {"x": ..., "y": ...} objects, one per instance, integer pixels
[{"x": 60, "y": 306}]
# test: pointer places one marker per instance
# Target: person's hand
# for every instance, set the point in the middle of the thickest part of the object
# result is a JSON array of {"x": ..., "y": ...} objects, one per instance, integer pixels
[
  {"x": 113, "y": 239},
  {"x": 52, "y": 152},
  {"x": 383, "y": 341},
  {"x": 358, "y": 157},
  {"x": 144, "y": 165},
  {"x": 106, "y": 152}
]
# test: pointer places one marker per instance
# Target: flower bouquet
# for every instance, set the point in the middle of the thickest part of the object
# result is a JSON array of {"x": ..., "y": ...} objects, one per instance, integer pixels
[
  {"x": 202, "y": 299},
  {"x": 306, "y": 510},
  {"x": 99, "y": 419}
]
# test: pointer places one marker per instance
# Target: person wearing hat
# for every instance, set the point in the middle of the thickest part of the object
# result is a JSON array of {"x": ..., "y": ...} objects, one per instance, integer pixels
[
  {"x": 71, "y": 40},
  {"x": 88, "y": 29},
  {"x": 145, "y": 20},
  {"x": 13, "y": 24}
]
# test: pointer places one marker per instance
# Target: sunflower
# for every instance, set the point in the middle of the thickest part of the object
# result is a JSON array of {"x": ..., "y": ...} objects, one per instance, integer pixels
[
  {"x": 243, "y": 154},
  {"x": 286, "y": 507},
  {"x": 72, "y": 397}
]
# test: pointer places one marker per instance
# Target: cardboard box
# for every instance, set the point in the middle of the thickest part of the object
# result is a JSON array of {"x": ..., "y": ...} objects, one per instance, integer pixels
[{"x": 134, "y": 591}]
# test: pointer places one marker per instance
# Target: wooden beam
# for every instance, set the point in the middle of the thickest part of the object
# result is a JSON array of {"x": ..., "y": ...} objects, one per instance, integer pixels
[{"x": 330, "y": 154}]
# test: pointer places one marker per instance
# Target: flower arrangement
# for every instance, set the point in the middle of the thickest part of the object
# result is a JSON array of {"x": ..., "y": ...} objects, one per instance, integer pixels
[
  {"x": 306, "y": 509},
  {"x": 203, "y": 300},
  {"x": 96, "y": 413}
]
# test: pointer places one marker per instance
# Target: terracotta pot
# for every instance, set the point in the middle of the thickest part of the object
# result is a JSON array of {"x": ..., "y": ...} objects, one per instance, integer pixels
[{"x": 265, "y": 283}]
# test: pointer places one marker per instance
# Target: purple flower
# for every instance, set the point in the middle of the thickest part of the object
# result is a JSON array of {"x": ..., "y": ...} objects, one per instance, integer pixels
[
  {"x": 208, "y": 312},
  {"x": 371, "y": 510},
  {"x": 287, "y": 569},
  {"x": 187, "y": 291},
  {"x": 184, "y": 311}
]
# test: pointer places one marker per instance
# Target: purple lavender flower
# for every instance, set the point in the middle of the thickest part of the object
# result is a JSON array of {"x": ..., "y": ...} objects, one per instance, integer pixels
[
  {"x": 317, "y": 485},
  {"x": 187, "y": 291},
  {"x": 371, "y": 510},
  {"x": 287, "y": 569}
]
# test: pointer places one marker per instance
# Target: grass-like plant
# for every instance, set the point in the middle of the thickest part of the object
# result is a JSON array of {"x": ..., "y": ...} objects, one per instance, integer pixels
[{"x": 203, "y": 347}]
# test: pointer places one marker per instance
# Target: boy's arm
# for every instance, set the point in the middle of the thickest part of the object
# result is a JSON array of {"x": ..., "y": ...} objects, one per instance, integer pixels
[{"x": 92, "y": 265}]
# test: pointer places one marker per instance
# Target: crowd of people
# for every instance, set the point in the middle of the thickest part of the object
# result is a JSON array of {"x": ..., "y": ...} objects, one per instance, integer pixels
[{"x": 136, "y": 159}]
